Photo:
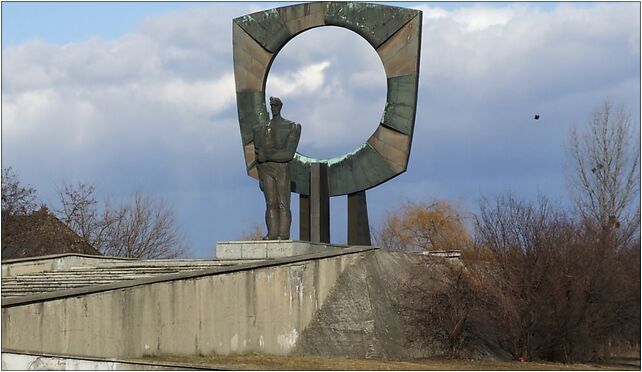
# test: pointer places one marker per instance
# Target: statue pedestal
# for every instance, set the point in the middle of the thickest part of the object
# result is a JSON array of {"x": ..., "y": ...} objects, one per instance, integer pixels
[{"x": 265, "y": 249}]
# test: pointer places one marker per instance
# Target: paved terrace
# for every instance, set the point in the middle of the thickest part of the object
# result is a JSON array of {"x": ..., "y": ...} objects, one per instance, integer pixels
[{"x": 46, "y": 274}]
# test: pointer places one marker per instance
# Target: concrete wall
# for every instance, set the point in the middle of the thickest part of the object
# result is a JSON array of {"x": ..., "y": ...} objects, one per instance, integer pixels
[{"x": 261, "y": 307}]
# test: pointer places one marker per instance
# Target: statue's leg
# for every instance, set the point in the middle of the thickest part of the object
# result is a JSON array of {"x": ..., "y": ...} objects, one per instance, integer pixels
[
  {"x": 285, "y": 215},
  {"x": 271, "y": 203}
]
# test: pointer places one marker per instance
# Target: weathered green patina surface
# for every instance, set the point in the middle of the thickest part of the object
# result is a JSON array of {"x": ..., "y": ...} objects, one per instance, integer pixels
[
  {"x": 396, "y": 35},
  {"x": 401, "y": 103},
  {"x": 267, "y": 27},
  {"x": 375, "y": 22},
  {"x": 252, "y": 112}
]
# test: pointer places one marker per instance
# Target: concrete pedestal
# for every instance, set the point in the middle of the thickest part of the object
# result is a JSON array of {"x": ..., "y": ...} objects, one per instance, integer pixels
[{"x": 264, "y": 249}]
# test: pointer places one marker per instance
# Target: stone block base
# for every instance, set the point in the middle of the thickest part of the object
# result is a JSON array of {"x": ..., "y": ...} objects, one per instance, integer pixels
[{"x": 264, "y": 249}]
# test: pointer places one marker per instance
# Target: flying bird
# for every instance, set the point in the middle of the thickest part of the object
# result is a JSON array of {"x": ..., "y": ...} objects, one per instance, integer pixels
[{"x": 536, "y": 117}]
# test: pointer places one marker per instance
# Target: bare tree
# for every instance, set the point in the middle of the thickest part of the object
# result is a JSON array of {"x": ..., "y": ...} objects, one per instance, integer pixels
[
  {"x": 144, "y": 228},
  {"x": 603, "y": 172},
  {"x": 16, "y": 198},
  {"x": 140, "y": 227},
  {"x": 79, "y": 211}
]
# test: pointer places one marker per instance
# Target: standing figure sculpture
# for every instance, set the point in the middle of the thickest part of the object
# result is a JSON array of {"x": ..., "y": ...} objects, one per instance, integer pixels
[{"x": 275, "y": 145}]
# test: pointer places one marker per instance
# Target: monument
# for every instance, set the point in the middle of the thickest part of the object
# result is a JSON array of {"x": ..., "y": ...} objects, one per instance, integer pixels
[
  {"x": 395, "y": 33},
  {"x": 291, "y": 304}
]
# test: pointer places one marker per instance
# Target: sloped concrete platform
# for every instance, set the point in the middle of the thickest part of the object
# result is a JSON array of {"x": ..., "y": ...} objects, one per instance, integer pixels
[
  {"x": 361, "y": 318},
  {"x": 260, "y": 307}
]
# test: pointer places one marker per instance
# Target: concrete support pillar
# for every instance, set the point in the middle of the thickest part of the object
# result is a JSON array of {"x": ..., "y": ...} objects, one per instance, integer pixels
[
  {"x": 319, "y": 204},
  {"x": 304, "y": 218},
  {"x": 358, "y": 225}
]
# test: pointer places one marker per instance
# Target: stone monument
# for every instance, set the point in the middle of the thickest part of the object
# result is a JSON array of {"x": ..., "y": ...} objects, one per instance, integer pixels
[{"x": 395, "y": 33}]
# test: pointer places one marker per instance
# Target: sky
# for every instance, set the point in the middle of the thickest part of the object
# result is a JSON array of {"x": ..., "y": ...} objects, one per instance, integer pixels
[{"x": 140, "y": 97}]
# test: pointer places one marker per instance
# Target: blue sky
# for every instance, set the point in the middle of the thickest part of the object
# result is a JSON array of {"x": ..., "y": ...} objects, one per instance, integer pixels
[
  {"x": 140, "y": 96},
  {"x": 65, "y": 22}
]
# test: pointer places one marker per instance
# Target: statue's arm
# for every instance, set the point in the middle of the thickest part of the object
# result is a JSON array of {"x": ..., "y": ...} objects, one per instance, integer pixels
[{"x": 293, "y": 140}]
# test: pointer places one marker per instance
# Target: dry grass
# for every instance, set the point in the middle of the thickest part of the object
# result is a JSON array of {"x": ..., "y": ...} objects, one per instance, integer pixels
[{"x": 269, "y": 362}]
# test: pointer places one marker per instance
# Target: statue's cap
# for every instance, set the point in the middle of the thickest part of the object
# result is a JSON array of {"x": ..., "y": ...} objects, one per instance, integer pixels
[{"x": 276, "y": 101}]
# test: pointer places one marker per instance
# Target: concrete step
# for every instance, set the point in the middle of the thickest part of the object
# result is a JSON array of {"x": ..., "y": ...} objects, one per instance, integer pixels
[
  {"x": 44, "y": 285},
  {"x": 99, "y": 275},
  {"x": 94, "y": 275},
  {"x": 77, "y": 277},
  {"x": 81, "y": 279},
  {"x": 17, "y": 284},
  {"x": 106, "y": 273},
  {"x": 61, "y": 280},
  {"x": 75, "y": 280},
  {"x": 103, "y": 275},
  {"x": 99, "y": 272},
  {"x": 121, "y": 266},
  {"x": 53, "y": 284}
]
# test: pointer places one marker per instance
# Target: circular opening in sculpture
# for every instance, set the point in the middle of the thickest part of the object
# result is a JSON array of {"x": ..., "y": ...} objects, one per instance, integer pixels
[{"x": 333, "y": 83}]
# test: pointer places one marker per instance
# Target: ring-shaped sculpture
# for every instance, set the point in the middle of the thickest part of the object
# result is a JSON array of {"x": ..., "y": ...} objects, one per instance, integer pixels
[{"x": 395, "y": 33}]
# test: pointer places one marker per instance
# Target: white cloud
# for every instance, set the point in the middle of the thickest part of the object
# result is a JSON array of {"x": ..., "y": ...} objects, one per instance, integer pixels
[
  {"x": 45, "y": 113},
  {"x": 430, "y": 12},
  {"x": 304, "y": 80},
  {"x": 480, "y": 18},
  {"x": 210, "y": 96},
  {"x": 475, "y": 18},
  {"x": 493, "y": 50},
  {"x": 135, "y": 83}
]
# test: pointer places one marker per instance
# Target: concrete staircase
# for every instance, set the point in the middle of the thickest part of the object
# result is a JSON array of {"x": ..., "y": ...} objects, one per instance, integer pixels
[{"x": 76, "y": 277}]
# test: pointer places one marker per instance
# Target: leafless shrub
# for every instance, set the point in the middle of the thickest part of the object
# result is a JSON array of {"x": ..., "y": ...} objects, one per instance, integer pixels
[
  {"x": 541, "y": 288},
  {"x": 446, "y": 304}
]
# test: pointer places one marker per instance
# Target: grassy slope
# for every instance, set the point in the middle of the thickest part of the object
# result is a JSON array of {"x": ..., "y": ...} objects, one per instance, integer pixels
[{"x": 268, "y": 362}]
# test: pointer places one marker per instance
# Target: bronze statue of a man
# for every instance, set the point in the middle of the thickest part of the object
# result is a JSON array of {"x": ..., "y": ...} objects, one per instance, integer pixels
[{"x": 275, "y": 145}]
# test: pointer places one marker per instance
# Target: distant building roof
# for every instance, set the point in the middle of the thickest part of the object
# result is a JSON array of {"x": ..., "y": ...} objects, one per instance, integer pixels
[{"x": 39, "y": 234}]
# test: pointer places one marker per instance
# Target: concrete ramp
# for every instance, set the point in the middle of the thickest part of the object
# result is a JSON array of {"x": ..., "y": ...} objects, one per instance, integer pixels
[
  {"x": 260, "y": 307},
  {"x": 361, "y": 317}
]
